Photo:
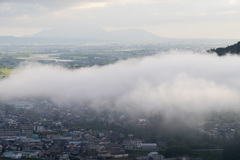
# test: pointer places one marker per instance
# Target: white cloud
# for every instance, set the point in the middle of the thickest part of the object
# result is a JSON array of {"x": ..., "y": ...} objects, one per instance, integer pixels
[
  {"x": 215, "y": 30},
  {"x": 24, "y": 17},
  {"x": 90, "y": 5},
  {"x": 233, "y": 1},
  {"x": 190, "y": 82},
  {"x": 121, "y": 14},
  {"x": 19, "y": 31}
]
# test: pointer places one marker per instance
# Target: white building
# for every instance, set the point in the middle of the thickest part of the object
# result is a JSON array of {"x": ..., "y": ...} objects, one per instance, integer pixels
[
  {"x": 132, "y": 143},
  {"x": 149, "y": 146},
  {"x": 13, "y": 155}
]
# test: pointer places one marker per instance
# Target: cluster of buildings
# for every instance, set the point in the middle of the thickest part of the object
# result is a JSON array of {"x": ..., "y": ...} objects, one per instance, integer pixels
[
  {"x": 219, "y": 129},
  {"x": 43, "y": 131},
  {"x": 53, "y": 133},
  {"x": 70, "y": 143}
]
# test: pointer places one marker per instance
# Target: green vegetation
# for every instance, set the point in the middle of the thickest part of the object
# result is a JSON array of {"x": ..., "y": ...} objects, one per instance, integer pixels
[
  {"x": 234, "y": 49},
  {"x": 174, "y": 151},
  {"x": 208, "y": 155},
  {"x": 232, "y": 149},
  {"x": 5, "y": 72},
  {"x": 138, "y": 152},
  {"x": 227, "y": 116},
  {"x": 69, "y": 56}
]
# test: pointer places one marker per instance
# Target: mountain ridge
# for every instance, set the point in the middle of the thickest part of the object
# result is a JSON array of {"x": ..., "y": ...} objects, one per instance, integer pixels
[
  {"x": 123, "y": 35},
  {"x": 232, "y": 49}
]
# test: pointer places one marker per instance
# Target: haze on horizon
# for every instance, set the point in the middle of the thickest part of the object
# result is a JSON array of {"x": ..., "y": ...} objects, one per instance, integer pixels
[{"x": 166, "y": 18}]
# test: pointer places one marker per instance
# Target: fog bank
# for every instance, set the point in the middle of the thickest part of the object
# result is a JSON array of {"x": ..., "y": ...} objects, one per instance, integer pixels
[{"x": 168, "y": 82}]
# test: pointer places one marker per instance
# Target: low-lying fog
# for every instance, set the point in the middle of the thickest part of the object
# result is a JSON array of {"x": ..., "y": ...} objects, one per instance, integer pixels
[{"x": 174, "y": 82}]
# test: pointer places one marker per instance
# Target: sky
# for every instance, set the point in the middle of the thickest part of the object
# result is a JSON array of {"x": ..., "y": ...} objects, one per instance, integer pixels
[
  {"x": 218, "y": 19},
  {"x": 174, "y": 83}
]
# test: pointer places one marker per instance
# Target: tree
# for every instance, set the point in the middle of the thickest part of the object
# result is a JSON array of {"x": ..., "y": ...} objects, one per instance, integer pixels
[{"x": 179, "y": 150}]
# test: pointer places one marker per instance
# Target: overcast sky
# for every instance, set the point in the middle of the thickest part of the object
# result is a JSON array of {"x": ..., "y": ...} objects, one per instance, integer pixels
[{"x": 166, "y": 18}]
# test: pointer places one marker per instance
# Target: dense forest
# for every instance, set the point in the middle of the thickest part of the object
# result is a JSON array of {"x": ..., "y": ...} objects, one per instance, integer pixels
[{"x": 233, "y": 49}]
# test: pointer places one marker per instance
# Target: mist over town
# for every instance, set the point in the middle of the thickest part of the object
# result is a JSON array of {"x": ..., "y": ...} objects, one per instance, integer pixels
[{"x": 119, "y": 79}]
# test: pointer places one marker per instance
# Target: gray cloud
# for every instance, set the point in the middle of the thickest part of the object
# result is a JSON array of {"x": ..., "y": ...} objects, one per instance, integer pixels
[
  {"x": 193, "y": 83},
  {"x": 120, "y": 13}
]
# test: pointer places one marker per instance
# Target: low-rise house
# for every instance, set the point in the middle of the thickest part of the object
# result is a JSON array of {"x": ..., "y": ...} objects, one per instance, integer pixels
[
  {"x": 132, "y": 143},
  {"x": 161, "y": 145},
  {"x": 155, "y": 156},
  {"x": 25, "y": 146},
  {"x": 64, "y": 157},
  {"x": 29, "y": 132},
  {"x": 55, "y": 150},
  {"x": 13, "y": 155},
  {"x": 99, "y": 134},
  {"x": 182, "y": 158},
  {"x": 9, "y": 132},
  {"x": 16, "y": 145},
  {"x": 151, "y": 156},
  {"x": 39, "y": 128},
  {"x": 118, "y": 154},
  {"x": 149, "y": 146},
  {"x": 31, "y": 154},
  {"x": 47, "y": 134},
  {"x": 104, "y": 155}
]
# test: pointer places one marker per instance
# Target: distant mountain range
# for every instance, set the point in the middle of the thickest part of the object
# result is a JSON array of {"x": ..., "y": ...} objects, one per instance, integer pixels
[
  {"x": 58, "y": 36},
  {"x": 75, "y": 35},
  {"x": 233, "y": 49},
  {"x": 11, "y": 40},
  {"x": 126, "y": 35}
]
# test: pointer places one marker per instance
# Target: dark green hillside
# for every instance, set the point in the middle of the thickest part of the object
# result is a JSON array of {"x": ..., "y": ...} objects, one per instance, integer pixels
[{"x": 234, "y": 49}]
